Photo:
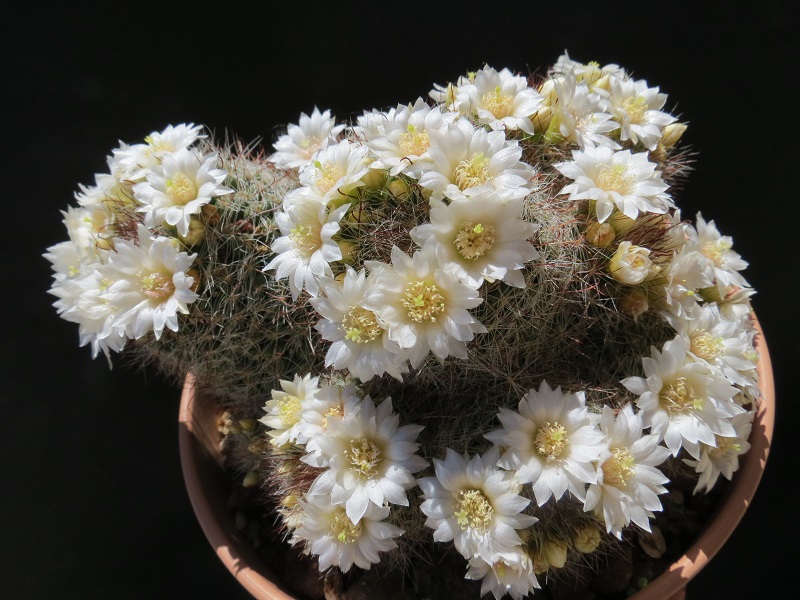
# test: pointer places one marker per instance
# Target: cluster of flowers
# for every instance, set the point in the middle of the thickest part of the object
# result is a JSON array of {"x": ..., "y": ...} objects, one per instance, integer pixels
[
  {"x": 470, "y": 176},
  {"x": 122, "y": 274},
  {"x": 465, "y": 153}
]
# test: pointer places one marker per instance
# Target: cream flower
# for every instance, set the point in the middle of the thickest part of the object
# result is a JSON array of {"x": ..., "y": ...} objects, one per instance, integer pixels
[
  {"x": 476, "y": 505},
  {"x": 718, "y": 249},
  {"x": 295, "y": 149},
  {"x": 136, "y": 161},
  {"x": 370, "y": 459},
  {"x": 628, "y": 482},
  {"x": 723, "y": 457},
  {"x": 150, "y": 284},
  {"x": 478, "y": 239},
  {"x": 550, "y": 442},
  {"x": 466, "y": 161},
  {"x": 338, "y": 542},
  {"x": 178, "y": 188},
  {"x": 682, "y": 400},
  {"x": 512, "y": 574},
  {"x": 687, "y": 272},
  {"x": 329, "y": 403},
  {"x": 306, "y": 247},
  {"x": 334, "y": 173},
  {"x": 91, "y": 229},
  {"x": 361, "y": 343},
  {"x": 577, "y": 115},
  {"x": 285, "y": 410},
  {"x": 500, "y": 100},
  {"x": 612, "y": 179},
  {"x": 424, "y": 307},
  {"x": 597, "y": 77},
  {"x": 637, "y": 109},
  {"x": 631, "y": 264},
  {"x": 402, "y": 143}
]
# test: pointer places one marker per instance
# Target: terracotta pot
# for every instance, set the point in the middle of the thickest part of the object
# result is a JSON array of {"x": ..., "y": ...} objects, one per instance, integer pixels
[{"x": 208, "y": 491}]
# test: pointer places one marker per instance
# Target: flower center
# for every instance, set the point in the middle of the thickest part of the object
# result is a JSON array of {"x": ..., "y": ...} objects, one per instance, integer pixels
[
  {"x": 181, "y": 189},
  {"x": 473, "y": 241},
  {"x": 613, "y": 178},
  {"x": 361, "y": 326},
  {"x": 472, "y": 172},
  {"x": 706, "y": 346},
  {"x": 364, "y": 457},
  {"x": 414, "y": 143},
  {"x": 423, "y": 301},
  {"x": 309, "y": 146},
  {"x": 679, "y": 396},
  {"x": 619, "y": 468},
  {"x": 726, "y": 447},
  {"x": 305, "y": 239},
  {"x": 327, "y": 176},
  {"x": 156, "y": 286},
  {"x": 551, "y": 440},
  {"x": 497, "y": 103},
  {"x": 343, "y": 529},
  {"x": 290, "y": 410},
  {"x": 336, "y": 411},
  {"x": 473, "y": 510},
  {"x": 715, "y": 251},
  {"x": 635, "y": 107},
  {"x": 159, "y": 145}
]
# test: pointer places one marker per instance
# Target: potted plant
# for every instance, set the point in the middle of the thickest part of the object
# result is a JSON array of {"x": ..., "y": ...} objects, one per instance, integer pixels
[{"x": 468, "y": 335}]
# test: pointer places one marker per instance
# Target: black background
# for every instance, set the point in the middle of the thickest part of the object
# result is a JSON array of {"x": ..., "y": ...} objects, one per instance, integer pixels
[{"x": 92, "y": 503}]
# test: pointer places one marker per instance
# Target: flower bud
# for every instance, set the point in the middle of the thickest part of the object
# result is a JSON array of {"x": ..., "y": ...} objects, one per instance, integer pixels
[
  {"x": 620, "y": 222},
  {"x": 672, "y": 133},
  {"x": 348, "y": 250},
  {"x": 555, "y": 552},
  {"x": 250, "y": 479},
  {"x": 548, "y": 90},
  {"x": 604, "y": 83},
  {"x": 542, "y": 119},
  {"x": 600, "y": 235},
  {"x": 587, "y": 539},
  {"x": 196, "y": 233},
  {"x": 631, "y": 264},
  {"x": 375, "y": 179},
  {"x": 399, "y": 189},
  {"x": 634, "y": 303}
]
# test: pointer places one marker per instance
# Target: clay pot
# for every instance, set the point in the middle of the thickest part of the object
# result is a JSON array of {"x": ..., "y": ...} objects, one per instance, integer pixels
[{"x": 208, "y": 491}]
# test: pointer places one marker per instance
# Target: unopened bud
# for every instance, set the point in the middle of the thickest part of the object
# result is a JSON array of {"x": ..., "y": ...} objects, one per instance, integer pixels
[
  {"x": 349, "y": 251},
  {"x": 620, "y": 222},
  {"x": 289, "y": 501},
  {"x": 250, "y": 479},
  {"x": 587, "y": 539},
  {"x": 195, "y": 275},
  {"x": 634, "y": 303},
  {"x": 195, "y": 235},
  {"x": 210, "y": 214},
  {"x": 604, "y": 83},
  {"x": 248, "y": 425},
  {"x": 672, "y": 133},
  {"x": 600, "y": 235},
  {"x": 375, "y": 179},
  {"x": 630, "y": 264},
  {"x": 555, "y": 553},
  {"x": 548, "y": 90},
  {"x": 542, "y": 119},
  {"x": 399, "y": 189}
]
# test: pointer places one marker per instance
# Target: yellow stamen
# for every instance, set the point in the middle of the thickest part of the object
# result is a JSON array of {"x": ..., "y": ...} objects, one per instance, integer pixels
[
  {"x": 472, "y": 172},
  {"x": 361, "y": 326},
  {"x": 157, "y": 285},
  {"x": 497, "y": 103},
  {"x": 473, "y": 510},
  {"x": 679, "y": 396},
  {"x": 181, "y": 189},
  {"x": 343, "y": 529},
  {"x": 551, "y": 440},
  {"x": 364, "y": 457},
  {"x": 618, "y": 468},
  {"x": 423, "y": 301},
  {"x": 473, "y": 241}
]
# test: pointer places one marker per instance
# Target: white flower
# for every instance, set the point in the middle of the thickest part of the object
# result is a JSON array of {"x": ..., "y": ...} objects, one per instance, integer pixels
[
  {"x": 718, "y": 249},
  {"x": 91, "y": 229},
  {"x": 339, "y": 542},
  {"x": 501, "y": 100},
  {"x": 478, "y": 239},
  {"x": 370, "y": 459},
  {"x": 327, "y": 404},
  {"x": 550, "y": 442},
  {"x": 628, "y": 482},
  {"x": 334, "y": 173},
  {"x": 401, "y": 145},
  {"x": 718, "y": 341},
  {"x": 179, "y": 188},
  {"x": 306, "y": 248},
  {"x": 688, "y": 272},
  {"x": 80, "y": 290},
  {"x": 511, "y": 574},
  {"x": 682, "y": 400},
  {"x": 446, "y": 95},
  {"x": 723, "y": 457},
  {"x": 361, "y": 343},
  {"x": 424, "y": 307},
  {"x": 295, "y": 149},
  {"x": 285, "y": 410},
  {"x": 630, "y": 264},
  {"x": 591, "y": 73},
  {"x": 467, "y": 161},
  {"x": 476, "y": 505},
  {"x": 136, "y": 161},
  {"x": 612, "y": 179},
  {"x": 637, "y": 108},
  {"x": 150, "y": 284}
]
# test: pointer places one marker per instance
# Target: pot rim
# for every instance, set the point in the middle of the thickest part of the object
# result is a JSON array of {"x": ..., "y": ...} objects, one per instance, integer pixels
[{"x": 206, "y": 485}]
